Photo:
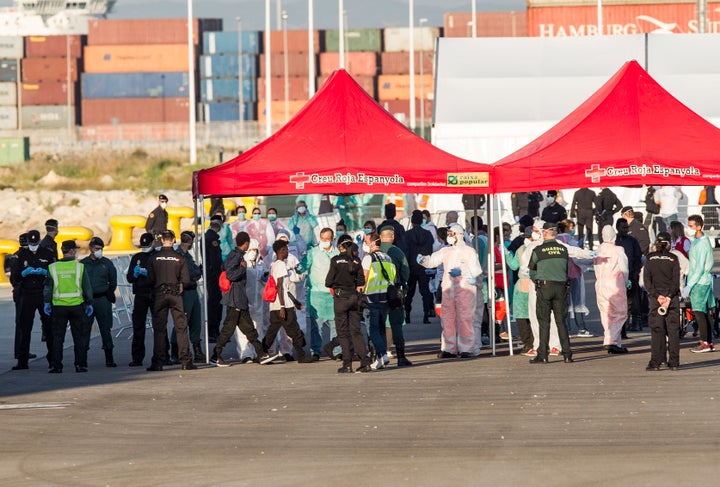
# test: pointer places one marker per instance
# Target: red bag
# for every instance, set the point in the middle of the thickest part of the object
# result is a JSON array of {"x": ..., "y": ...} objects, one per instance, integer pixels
[
  {"x": 224, "y": 282},
  {"x": 270, "y": 291},
  {"x": 500, "y": 309}
]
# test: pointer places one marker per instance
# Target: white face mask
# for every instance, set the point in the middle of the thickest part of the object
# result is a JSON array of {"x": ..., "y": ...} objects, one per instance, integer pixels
[
  {"x": 536, "y": 236},
  {"x": 163, "y": 205},
  {"x": 98, "y": 253},
  {"x": 324, "y": 245},
  {"x": 366, "y": 248},
  {"x": 451, "y": 240},
  {"x": 146, "y": 249},
  {"x": 250, "y": 255},
  {"x": 551, "y": 199},
  {"x": 301, "y": 210},
  {"x": 33, "y": 248}
]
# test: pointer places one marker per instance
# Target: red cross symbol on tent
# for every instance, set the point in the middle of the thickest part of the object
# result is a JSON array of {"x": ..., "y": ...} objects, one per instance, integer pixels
[
  {"x": 595, "y": 173},
  {"x": 300, "y": 178}
]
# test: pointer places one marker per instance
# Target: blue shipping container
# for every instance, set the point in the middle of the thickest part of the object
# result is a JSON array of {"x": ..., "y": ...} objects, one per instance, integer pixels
[
  {"x": 227, "y": 42},
  {"x": 226, "y": 90},
  {"x": 227, "y": 66},
  {"x": 134, "y": 85},
  {"x": 8, "y": 70},
  {"x": 227, "y": 112}
]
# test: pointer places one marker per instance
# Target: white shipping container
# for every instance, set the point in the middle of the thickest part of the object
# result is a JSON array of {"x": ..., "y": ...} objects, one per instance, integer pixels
[
  {"x": 8, "y": 118},
  {"x": 8, "y": 94},
  {"x": 11, "y": 47},
  {"x": 397, "y": 39}
]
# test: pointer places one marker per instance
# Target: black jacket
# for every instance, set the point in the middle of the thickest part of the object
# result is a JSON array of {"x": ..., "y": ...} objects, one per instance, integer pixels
[
  {"x": 140, "y": 284},
  {"x": 157, "y": 221},
  {"x": 583, "y": 203},
  {"x": 419, "y": 242},
  {"x": 167, "y": 268},
  {"x": 661, "y": 275},
  {"x": 345, "y": 274},
  {"x": 554, "y": 213},
  {"x": 31, "y": 283},
  {"x": 634, "y": 255},
  {"x": 236, "y": 272}
]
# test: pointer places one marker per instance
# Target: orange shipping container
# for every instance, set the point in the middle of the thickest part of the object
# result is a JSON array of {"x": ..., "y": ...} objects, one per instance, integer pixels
[
  {"x": 277, "y": 109},
  {"x": 634, "y": 17},
  {"x": 399, "y": 62},
  {"x": 397, "y": 107},
  {"x": 489, "y": 24},
  {"x": 49, "y": 69},
  {"x": 297, "y": 41},
  {"x": 297, "y": 88},
  {"x": 101, "y": 111},
  {"x": 136, "y": 59},
  {"x": 356, "y": 63},
  {"x": 297, "y": 64},
  {"x": 367, "y": 83},
  {"x": 397, "y": 86},
  {"x": 106, "y": 32},
  {"x": 136, "y": 131},
  {"x": 53, "y": 46},
  {"x": 47, "y": 93}
]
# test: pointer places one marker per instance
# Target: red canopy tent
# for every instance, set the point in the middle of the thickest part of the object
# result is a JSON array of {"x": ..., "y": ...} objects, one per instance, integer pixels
[
  {"x": 343, "y": 142},
  {"x": 630, "y": 132}
]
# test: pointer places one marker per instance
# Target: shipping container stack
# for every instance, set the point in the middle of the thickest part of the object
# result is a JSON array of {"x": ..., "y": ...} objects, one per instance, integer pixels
[
  {"x": 297, "y": 58},
  {"x": 394, "y": 82},
  {"x": 226, "y": 63},
  {"x": 362, "y": 56},
  {"x": 49, "y": 89},
  {"x": 136, "y": 77},
  {"x": 11, "y": 52},
  {"x": 489, "y": 24}
]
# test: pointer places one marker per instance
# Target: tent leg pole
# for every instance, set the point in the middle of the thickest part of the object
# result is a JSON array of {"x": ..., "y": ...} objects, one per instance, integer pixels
[
  {"x": 491, "y": 275},
  {"x": 505, "y": 284},
  {"x": 201, "y": 237}
]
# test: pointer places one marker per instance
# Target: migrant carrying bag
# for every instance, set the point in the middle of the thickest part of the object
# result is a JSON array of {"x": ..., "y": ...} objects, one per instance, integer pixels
[
  {"x": 270, "y": 291},
  {"x": 224, "y": 282},
  {"x": 395, "y": 297}
]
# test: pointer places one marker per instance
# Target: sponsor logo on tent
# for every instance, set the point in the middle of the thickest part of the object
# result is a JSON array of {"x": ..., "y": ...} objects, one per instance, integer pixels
[
  {"x": 469, "y": 179},
  {"x": 595, "y": 173},
  {"x": 300, "y": 179}
]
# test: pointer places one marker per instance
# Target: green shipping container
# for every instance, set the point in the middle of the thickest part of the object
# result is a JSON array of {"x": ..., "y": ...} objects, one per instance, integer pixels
[
  {"x": 368, "y": 40},
  {"x": 14, "y": 150}
]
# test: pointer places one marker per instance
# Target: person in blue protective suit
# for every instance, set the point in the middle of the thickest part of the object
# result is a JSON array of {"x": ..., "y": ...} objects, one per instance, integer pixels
[
  {"x": 303, "y": 223},
  {"x": 699, "y": 285},
  {"x": 320, "y": 310}
]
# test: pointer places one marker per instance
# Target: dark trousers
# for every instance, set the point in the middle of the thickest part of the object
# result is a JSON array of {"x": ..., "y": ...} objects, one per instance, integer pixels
[
  {"x": 655, "y": 222},
  {"x": 585, "y": 220},
  {"x": 291, "y": 327},
  {"x": 240, "y": 318},
  {"x": 661, "y": 327},
  {"x": 347, "y": 325},
  {"x": 169, "y": 303},
  {"x": 214, "y": 306},
  {"x": 191, "y": 305},
  {"x": 397, "y": 319},
  {"x": 633, "y": 303},
  {"x": 376, "y": 329},
  {"x": 143, "y": 304},
  {"x": 61, "y": 315},
  {"x": 102, "y": 312},
  {"x": 16, "y": 302},
  {"x": 551, "y": 297},
  {"x": 704, "y": 326},
  {"x": 526, "y": 334},
  {"x": 422, "y": 281},
  {"x": 29, "y": 304}
]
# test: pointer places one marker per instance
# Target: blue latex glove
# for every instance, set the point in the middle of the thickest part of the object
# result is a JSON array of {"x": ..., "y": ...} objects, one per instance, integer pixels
[
  {"x": 685, "y": 292},
  {"x": 89, "y": 310},
  {"x": 136, "y": 271},
  {"x": 40, "y": 271},
  {"x": 429, "y": 272},
  {"x": 143, "y": 271},
  {"x": 27, "y": 271},
  {"x": 420, "y": 259},
  {"x": 47, "y": 309},
  {"x": 594, "y": 254},
  {"x": 296, "y": 230},
  {"x": 471, "y": 280},
  {"x": 628, "y": 284},
  {"x": 526, "y": 273},
  {"x": 455, "y": 272}
]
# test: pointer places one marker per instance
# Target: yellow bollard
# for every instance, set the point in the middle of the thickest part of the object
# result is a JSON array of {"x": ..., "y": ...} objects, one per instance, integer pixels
[
  {"x": 228, "y": 203},
  {"x": 122, "y": 230},
  {"x": 6, "y": 247},
  {"x": 73, "y": 233},
  {"x": 175, "y": 213}
]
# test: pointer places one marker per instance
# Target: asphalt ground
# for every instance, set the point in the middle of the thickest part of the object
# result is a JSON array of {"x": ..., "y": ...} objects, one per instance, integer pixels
[{"x": 494, "y": 420}]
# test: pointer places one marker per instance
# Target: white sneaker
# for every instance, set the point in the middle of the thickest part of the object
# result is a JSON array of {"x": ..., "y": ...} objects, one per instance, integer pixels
[
  {"x": 378, "y": 364},
  {"x": 389, "y": 354},
  {"x": 386, "y": 359}
]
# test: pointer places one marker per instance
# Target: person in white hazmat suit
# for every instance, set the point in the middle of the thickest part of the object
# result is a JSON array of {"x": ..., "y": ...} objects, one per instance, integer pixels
[
  {"x": 461, "y": 270},
  {"x": 573, "y": 252},
  {"x": 611, "y": 274},
  {"x": 257, "y": 273}
]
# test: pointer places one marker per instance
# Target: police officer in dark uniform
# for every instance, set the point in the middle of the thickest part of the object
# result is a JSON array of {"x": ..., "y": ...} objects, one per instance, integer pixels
[
  {"x": 12, "y": 261},
  {"x": 606, "y": 205},
  {"x": 103, "y": 279},
  {"x": 661, "y": 276},
  {"x": 548, "y": 268},
  {"x": 583, "y": 209},
  {"x": 554, "y": 211},
  {"x": 158, "y": 218},
  {"x": 346, "y": 280},
  {"x": 636, "y": 229},
  {"x": 48, "y": 241},
  {"x": 29, "y": 273},
  {"x": 191, "y": 302},
  {"x": 213, "y": 269},
  {"x": 142, "y": 288},
  {"x": 168, "y": 272}
]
